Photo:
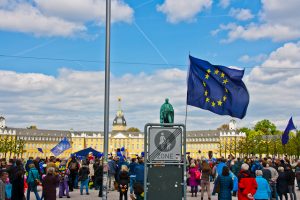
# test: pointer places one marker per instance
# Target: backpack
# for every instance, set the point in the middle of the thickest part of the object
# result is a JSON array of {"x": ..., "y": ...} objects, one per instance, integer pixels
[{"x": 197, "y": 174}]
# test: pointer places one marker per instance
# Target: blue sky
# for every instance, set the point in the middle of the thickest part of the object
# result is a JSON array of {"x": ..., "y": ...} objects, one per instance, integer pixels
[{"x": 260, "y": 35}]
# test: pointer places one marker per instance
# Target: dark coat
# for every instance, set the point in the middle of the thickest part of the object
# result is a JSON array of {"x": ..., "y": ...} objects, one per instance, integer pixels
[
  {"x": 124, "y": 178},
  {"x": 50, "y": 183},
  {"x": 247, "y": 184},
  {"x": 225, "y": 185},
  {"x": 84, "y": 172},
  {"x": 99, "y": 175},
  {"x": 282, "y": 183},
  {"x": 18, "y": 184},
  {"x": 290, "y": 177}
]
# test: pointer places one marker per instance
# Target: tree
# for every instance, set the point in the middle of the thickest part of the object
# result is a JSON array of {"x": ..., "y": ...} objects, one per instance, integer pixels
[
  {"x": 265, "y": 126},
  {"x": 133, "y": 129},
  {"x": 223, "y": 127},
  {"x": 32, "y": 127}
]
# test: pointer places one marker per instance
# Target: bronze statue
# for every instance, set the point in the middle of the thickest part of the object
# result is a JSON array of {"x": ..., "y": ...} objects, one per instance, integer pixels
[{"x": 166, "y": 112}]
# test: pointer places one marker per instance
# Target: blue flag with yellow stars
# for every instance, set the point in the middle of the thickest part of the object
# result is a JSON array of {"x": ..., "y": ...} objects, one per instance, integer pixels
[
  {"x": 217, "y": 88},
  {"x": 285, "y": 136}
]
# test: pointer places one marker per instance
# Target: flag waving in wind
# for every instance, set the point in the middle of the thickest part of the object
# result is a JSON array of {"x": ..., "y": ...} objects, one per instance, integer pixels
[
  {"x": 61, "y": 147},
  {"x": 217, "y": 88},
  {"x": 285, "y": 136},
  {"x": 40, "y": 150}
]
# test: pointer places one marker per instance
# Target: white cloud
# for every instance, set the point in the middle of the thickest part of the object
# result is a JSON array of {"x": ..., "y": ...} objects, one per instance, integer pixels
[
  {"x": 253, "y": 31},
  {"x": 86, "y": 10},
  {"x": 224, "y": 3},
  {"x": 58, "y": 18},
  {"x": 74, "y": 99},
  {"x": 258, "y": 58},
  {"x": 27, "y": 19},
  {"x": 277, "y": 21},
  {"x": 241, "y": 14},
  {"x": 178, "y": 10},
  {"x": 276, "y": 68}
]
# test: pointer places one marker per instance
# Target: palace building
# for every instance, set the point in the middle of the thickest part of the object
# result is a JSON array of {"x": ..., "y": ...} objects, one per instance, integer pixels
[{"x": 199, "y": 143}]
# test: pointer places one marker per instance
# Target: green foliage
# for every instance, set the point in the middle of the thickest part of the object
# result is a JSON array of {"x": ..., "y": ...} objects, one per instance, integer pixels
[
  {"x": 34, "y": 127},
  {"x": 133, "y": 129},
  {"x": 9, "y": 145},
  {"x": 265, "y": 126},
  {"x": 256, "y": 144}
]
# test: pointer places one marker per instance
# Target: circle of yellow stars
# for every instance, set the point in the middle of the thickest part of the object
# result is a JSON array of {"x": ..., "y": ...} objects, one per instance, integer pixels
[{"x": 224, "y": 80}]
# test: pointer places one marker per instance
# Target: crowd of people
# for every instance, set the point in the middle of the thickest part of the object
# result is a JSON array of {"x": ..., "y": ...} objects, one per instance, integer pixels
[
  {"x": 249, "y": 178},
  {"x": 19, "y": 177}
]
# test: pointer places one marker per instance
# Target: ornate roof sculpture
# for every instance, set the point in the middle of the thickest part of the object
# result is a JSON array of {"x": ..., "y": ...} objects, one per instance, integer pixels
[{"x": 119, "y": 123}]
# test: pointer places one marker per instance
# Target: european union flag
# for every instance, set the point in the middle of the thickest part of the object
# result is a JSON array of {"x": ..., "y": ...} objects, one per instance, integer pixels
[
  {"x": 61, "y": 147},
  {"x": 285, "y": 136},
  {"x": 40, "y": 150},
  {"x": 217, "y": 88}
]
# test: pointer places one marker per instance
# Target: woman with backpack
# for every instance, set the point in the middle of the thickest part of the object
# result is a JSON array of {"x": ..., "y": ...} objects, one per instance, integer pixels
[
  {"x": 193, "y": 181},
  {"x": 123, "y": 182},
  {"x": 33, "y": 180},
  {"x": 205, "y": 183}
]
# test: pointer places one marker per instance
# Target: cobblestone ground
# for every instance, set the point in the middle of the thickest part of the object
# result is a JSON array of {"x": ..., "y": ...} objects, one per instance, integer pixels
[{"x": 113, "y": 195}]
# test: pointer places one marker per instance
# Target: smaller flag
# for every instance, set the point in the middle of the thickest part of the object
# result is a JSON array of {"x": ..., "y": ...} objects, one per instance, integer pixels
[
  {"x": 40, "y": 150},
  {"x": 123, "y": 149},
  {"x": 61, "y": 147},
  {"x": 285, "y": 136}
]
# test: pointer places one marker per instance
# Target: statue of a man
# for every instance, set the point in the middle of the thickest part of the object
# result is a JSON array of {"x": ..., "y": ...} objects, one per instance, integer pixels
[{"x": 166, "y": 112}]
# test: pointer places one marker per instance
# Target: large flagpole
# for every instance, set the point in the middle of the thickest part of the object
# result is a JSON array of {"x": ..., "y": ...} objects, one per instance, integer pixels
[{"x": 106, "y": 101}]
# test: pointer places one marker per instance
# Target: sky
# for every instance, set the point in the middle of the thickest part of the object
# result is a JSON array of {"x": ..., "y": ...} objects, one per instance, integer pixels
[{"x": 52, "y": 59}]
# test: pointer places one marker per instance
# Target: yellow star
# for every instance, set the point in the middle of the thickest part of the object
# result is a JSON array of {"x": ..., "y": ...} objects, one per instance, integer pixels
[
  {"x": 220, "y": 103},
  {"x": 224, "y": 98},
  {"x": 208, "y": 71},
  {"x": 213, "y": 104},
  {"x": 206, "y": 76},
  {"x": 222, "y": 75},
  {"x": 204, "y": 84},
  {"x": 206, "y": 93},
  {"x": 217, "y": 71},
  {"x": 225, "y": 81},
  {"x": 226, "y": 90},
  {"x": 207, "y": 99}
]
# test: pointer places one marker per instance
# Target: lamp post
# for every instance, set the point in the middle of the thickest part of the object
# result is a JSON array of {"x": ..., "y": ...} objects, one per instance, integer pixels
[{"x": 106, "y": 99}]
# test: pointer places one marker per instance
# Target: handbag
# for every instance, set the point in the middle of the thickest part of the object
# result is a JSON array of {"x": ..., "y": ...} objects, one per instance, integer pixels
[{"x": 217, "y": 186}]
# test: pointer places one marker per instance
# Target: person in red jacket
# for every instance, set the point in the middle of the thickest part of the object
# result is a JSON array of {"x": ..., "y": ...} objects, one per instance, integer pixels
[{"x": 247, "y": 183}]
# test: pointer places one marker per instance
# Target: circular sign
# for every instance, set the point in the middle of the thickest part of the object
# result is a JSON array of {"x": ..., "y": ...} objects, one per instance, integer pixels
[{"x": 165, "y": 141}]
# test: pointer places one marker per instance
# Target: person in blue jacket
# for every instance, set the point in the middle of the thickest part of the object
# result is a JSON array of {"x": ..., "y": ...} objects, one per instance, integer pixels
[
  {"x": 32, "y": 179},
  {"x": 220, "y": 166},
  {"x": 263, "y": 191},
  {"x": 139, "y": 171},
  {"x": 235, "y": 183}
]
